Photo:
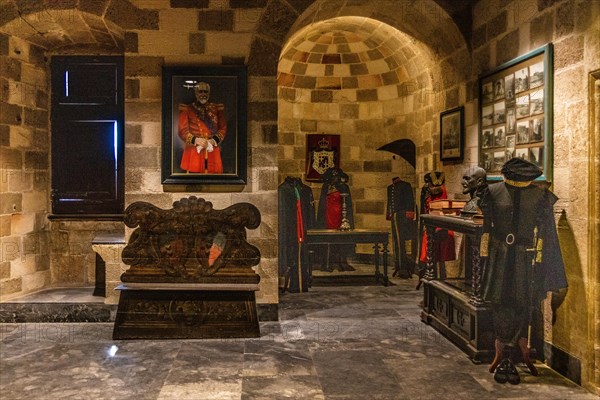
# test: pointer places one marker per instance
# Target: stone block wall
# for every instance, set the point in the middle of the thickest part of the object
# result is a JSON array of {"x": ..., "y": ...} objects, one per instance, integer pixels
[
  {"x": 24, "y": 167},
  {"x": 73, "y": 261},
  {"x": 504, "y": 30},
  {"x": 185, "y": 33}
]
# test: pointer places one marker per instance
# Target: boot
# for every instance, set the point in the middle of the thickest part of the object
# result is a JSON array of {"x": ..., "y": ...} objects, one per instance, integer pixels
[
  {"x": 526, "y": 352},
  {"x": 498, "y": 357}
]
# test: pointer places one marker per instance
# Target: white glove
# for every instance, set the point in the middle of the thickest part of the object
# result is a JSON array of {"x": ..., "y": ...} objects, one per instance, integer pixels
[{"x": 209, "y": 148}]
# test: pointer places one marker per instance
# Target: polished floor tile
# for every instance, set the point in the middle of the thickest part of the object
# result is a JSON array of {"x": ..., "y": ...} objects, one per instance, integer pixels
[{"x": 351, "y": 342}]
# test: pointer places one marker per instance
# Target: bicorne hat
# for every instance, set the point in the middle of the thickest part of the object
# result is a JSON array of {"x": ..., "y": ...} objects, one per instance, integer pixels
[
  {"x": 436, "y": 178},
  {"x": 520, "y": 170}
]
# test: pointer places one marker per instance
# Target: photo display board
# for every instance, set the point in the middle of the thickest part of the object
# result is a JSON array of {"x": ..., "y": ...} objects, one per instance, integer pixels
[{"x": 515, "y": 113}]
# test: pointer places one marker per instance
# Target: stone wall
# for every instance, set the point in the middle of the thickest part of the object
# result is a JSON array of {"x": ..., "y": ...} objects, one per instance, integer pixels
[
  {"x": 24, "y": 167},
  {"x": 154, "y": 33},
  {"x": 503, "y": 30},
  {"x": 184, "y": 33}
]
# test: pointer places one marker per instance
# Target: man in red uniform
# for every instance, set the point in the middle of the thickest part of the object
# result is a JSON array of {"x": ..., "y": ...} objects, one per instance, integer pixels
[{"x": 202, "y": 126}]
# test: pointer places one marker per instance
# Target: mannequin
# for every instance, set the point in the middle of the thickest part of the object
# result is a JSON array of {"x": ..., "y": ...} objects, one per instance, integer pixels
[
  {"x": 329, "y": 216},
  {"x": 401, "y": 211},
  {"x": 296, "y": 215},
  {"x": 522, "y": 260},
  {"x": 434, "y": 189}
]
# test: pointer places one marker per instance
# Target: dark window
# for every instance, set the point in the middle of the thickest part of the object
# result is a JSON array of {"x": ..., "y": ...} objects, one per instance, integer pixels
[{"x": 87, "y": 135}]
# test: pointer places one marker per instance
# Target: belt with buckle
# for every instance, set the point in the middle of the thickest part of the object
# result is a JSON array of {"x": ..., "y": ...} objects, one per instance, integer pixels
[{"x": 510, "y": 239}]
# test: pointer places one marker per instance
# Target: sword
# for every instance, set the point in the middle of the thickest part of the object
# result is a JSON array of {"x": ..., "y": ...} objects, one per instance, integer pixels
[{"x": 537, "y": 258}]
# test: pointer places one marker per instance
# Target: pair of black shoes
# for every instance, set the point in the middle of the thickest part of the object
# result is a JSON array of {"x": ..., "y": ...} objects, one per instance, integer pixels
[{"x": 507, "y": 372}]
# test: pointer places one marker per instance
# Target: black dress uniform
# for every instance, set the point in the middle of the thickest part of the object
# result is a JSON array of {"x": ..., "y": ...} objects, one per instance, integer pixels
[
  {"x": 401, "y": 211},
  {"x": 512, "y": 281},
  {"x": 293, "y": 262}
]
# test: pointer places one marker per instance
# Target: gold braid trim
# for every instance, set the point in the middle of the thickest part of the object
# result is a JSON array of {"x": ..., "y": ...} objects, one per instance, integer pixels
[
  {"x": 483, "y": 245},
  {"x": 517, "y": 183},
  {"x": 189, "y": 138}
]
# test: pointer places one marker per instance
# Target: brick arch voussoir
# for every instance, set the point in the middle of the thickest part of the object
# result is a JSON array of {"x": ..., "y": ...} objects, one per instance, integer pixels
[{"x": 120, "y": 13}]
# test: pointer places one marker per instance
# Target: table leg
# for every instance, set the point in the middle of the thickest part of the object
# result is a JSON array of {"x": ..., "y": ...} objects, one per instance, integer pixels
[
  {"x": 476, "y": 298},
  {"x": 430, "y": 263},
  {"x": 385, "y": 264},
  {"x": 376, "y": 255}
]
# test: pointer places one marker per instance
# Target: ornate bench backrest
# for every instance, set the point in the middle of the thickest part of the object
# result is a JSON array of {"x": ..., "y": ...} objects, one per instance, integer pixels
[{"x": 192, "y": 242}]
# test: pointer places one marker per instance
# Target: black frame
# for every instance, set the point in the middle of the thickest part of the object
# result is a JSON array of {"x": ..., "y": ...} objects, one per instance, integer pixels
[
  {"x": 452, "y": 148},
  {"x": 517, "y": 119},
  {"x": 229, "y": 85}
]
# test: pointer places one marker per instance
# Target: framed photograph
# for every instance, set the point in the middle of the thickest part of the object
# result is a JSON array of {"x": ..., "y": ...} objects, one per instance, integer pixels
[
  {"x": 204, "y": 116},
  {"x": 509, "y": 87},
  {"x": 522, "y": 132},
  {"x": 522, "y": 153},
  {"x": 523, "y": 106},
  {"x": 499, "y": 134},
  {"x": 487, "y": 138},
  {"x": 515, "y": 113},
  {"x": 487, "y": 92},
  {"x": 511, "y": 120},
  {"x": 322, "y": 153},
  {"x": 537, "y": 130},
  {"x": 536, "y": 102},
  {"x": 499, "y": 112},
  {"x": 452, "y": 134}
]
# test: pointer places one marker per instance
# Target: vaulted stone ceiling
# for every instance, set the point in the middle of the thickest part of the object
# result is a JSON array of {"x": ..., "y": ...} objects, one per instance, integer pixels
[
  {"x": 55, "y": 25},
  {"x": 323, "y": 53}
]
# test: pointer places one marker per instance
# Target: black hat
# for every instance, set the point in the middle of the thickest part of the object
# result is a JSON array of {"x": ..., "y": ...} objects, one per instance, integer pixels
[
  {"x": 333, "y": 173},
  {"x": 520, "y": 170}
]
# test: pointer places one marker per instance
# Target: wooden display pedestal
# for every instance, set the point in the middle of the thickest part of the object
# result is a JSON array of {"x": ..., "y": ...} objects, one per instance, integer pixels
[
  {"x": 468, "y": 326},
  {"x": 184, "y": 311},
  {"x": 454, "y": 306}
]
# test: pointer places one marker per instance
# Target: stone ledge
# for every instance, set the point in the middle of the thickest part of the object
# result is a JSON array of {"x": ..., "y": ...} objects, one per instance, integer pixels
[{"x": 188, "y": 286}]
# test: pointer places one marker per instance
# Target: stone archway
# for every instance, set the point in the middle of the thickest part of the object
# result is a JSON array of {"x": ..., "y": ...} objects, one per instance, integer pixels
[
  {"x": 369, "y": 83},
  {"x": 374, "y": 75}
]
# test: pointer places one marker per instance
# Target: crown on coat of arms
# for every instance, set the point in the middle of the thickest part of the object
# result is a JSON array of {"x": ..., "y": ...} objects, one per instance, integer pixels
[{"x": 323, "y": 143}]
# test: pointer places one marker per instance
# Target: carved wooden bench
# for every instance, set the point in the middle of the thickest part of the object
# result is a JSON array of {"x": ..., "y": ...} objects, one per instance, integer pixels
[{"x": 191, "y": 272}]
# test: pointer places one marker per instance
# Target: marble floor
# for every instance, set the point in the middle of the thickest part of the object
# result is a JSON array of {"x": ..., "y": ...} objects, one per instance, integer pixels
[{"x": 350, "y": 342}]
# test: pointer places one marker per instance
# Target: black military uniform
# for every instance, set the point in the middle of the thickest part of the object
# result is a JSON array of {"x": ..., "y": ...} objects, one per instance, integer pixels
[
  {"x": 401, "y": 211},
  {"x": 514, "y": 212},
  {"x": 293, "y": 263}
]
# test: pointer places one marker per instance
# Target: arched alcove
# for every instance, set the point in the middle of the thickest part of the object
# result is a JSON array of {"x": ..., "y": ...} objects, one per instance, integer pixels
[{"x": 371, "y": 83}]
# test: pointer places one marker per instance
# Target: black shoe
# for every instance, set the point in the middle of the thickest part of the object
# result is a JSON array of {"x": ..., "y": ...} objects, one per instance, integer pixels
[
  {"x": 513, "y": 374},
  {"x": 501, "y": 373}
]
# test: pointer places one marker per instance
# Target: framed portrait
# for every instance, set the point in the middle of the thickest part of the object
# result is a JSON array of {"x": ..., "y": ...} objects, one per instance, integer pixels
[
  {"x": 204, "y": 118},
  {"x": 452, "y": 134},
  {"x": 322, "y": 153},
  {"x": 515, "y": 113}
]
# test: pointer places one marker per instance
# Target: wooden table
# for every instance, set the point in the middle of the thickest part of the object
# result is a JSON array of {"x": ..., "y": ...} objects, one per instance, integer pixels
[{"x": 355, "y": 236}]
